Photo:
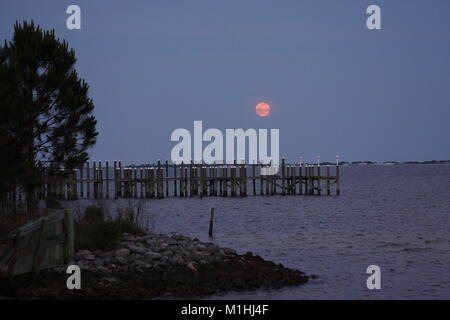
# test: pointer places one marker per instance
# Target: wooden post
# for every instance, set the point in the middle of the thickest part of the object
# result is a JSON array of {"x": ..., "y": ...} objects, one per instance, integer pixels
[
  {"x": 175, "y": 191},
  {"x": 225, "y": 180},
  {"x": 308, "y": 180},
  {"x": 166, "y": 164},
  {"x": 241, "y": 179},
  {"x": 291, "y": 179},
  {"x": 300, "y": 179},
  {"x": 94, "y": 174},
  {"x": 88, "y": 187},
  {"x": 245, "y": 178},
  {"x": 70, "y": 241},
  {"x": 40, "y": 248},
  {"x": 261, "y": 181},
  {"x": 283, "y": 174},
  {"x": 319, "y": 187},
  {"x": 294, "y": 179},
  {"x": 146, "y": 185},
  {"x": 142, "y": 181},
  {"x": 338, "y": 191},
  {"x": 81, "y": 181},
  {"x": 288, "y": 179},
  {"x": 135, "y": 182},
  {"x": 100, "y": 177},
  {"x": 233, "y": 179},
  {"x": 328, "y": 180},
  {"x": 254, "y": 177},
  {"x": 211, "y": 180},
  {"x": 107, "y": 178},
  {"x": 220, "y": 172},
  {"x": 182, "y": 190},
  {"x": 119, "y": 182},
  {"x": 128, "y": 179},
  {"x": 191, "y": 179},
  {"x": 158, "y": 181},
  {"x": 202, "y": 180},
  {"x": 268, "y": 181},
  {"x": 152, "y": 182},
  {"x": 214, "y": 181},
  {"x": 185, "y": 182},
  {"x": 211, "y": 223}
]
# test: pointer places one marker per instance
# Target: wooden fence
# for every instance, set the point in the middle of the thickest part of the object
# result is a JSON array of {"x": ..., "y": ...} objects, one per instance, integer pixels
[
  {"x": 43, "y": 243},
  {"x": 103, "y": 180}
]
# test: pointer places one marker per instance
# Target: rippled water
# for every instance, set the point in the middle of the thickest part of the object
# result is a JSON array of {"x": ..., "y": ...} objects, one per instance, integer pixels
[{"x": 397, "y": 217}]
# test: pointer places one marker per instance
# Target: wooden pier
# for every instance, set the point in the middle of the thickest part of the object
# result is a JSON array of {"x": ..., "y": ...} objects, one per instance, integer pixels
[{"x": 113, "y": 180}]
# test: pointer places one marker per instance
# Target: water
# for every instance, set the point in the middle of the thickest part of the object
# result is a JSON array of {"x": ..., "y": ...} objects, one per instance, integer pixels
[{"x": 396, "y": 217}]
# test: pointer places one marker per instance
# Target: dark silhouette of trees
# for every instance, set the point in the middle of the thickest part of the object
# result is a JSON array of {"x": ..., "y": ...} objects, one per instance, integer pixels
[{"x": 45, "y": 112}]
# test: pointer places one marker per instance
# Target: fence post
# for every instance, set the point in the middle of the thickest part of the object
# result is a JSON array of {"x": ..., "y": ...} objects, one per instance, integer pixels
[
  {"x": 40, "y": 249},
  {"x": 12, "y": 264},
  {"x": 70, "y": 240}
]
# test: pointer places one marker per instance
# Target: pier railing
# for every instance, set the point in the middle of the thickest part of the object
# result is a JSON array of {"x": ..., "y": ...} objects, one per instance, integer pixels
[{"x": 163, "y": 179}]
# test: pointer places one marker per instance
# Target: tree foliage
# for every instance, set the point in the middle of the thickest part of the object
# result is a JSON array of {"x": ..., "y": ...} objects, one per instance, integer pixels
[{"x": 46, "y": 113}]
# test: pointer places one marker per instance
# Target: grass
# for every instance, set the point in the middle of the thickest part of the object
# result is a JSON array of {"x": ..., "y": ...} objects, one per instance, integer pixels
[{"x": 94, "y": 232}]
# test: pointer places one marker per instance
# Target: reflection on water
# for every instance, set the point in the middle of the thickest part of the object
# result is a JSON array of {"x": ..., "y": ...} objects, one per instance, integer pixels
[{"x": 397, "y": 217}]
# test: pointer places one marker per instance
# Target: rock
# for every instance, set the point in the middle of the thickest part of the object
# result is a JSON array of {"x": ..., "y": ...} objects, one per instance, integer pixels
[
  {"x": 167, "y": 253},
  {"x": 229, "y": 251},
  {"x": 135, "y": 257},
  {"x": 189, "y": 268},
  {"x": 121, "y": 260},
  {"x": 103, "y": 269},
  {"x": 80, "y": 254},
  {"x": 139, "y": 264},
  {"x": 98, "y": 262},
  {"x": 137, "y": 249},
  {"x": 107, "y": 254},
  {"x": 191, "y": 265},
  {"x": 128, "y": 237},
  {"x": 200, "y": 247},
  {"x": 89, "y": 257},
  {"x": 152, "y": 255},
  {"x": 122, "y": 253}
]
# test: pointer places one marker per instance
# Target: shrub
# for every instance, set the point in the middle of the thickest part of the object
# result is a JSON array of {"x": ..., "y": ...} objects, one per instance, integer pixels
[
  {"x": 52, "y": 203},
  {"x": 93, "y": 214},
  {"x": 93, "y": 232},
  {"x": 100, "y": 235}
]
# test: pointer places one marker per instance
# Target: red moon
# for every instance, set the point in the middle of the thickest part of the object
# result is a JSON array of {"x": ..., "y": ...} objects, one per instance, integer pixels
[{"x": 262, "y": 109}]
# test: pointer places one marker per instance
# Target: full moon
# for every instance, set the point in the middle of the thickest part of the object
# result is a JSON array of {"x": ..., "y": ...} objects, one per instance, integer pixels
[{"x": 262, "y": 109}]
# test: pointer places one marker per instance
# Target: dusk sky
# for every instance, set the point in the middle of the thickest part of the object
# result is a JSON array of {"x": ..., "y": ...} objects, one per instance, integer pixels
[{"x": 333, "y": 85}]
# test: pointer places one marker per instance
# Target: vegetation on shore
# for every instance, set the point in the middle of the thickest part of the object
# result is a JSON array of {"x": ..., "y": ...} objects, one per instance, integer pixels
[{"x": 93, "y": 231}]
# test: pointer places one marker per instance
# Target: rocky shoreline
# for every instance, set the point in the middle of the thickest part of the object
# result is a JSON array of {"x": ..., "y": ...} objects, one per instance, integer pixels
[{"x": 158, "y": 265}]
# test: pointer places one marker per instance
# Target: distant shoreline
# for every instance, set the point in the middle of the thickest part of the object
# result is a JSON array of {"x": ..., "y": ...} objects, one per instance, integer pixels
[
  {"x": 387, "y": 163},
  {"x": 344, "y": 163}
]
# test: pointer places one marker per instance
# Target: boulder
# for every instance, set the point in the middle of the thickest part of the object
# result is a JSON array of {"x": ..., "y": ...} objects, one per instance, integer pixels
[
  {"x": 137, "y": 249},
  {"x": 122, "y": 253}
]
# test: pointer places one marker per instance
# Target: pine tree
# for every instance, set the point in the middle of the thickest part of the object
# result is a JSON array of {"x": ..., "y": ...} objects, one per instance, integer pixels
[{"x": 46, "y": 113}]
